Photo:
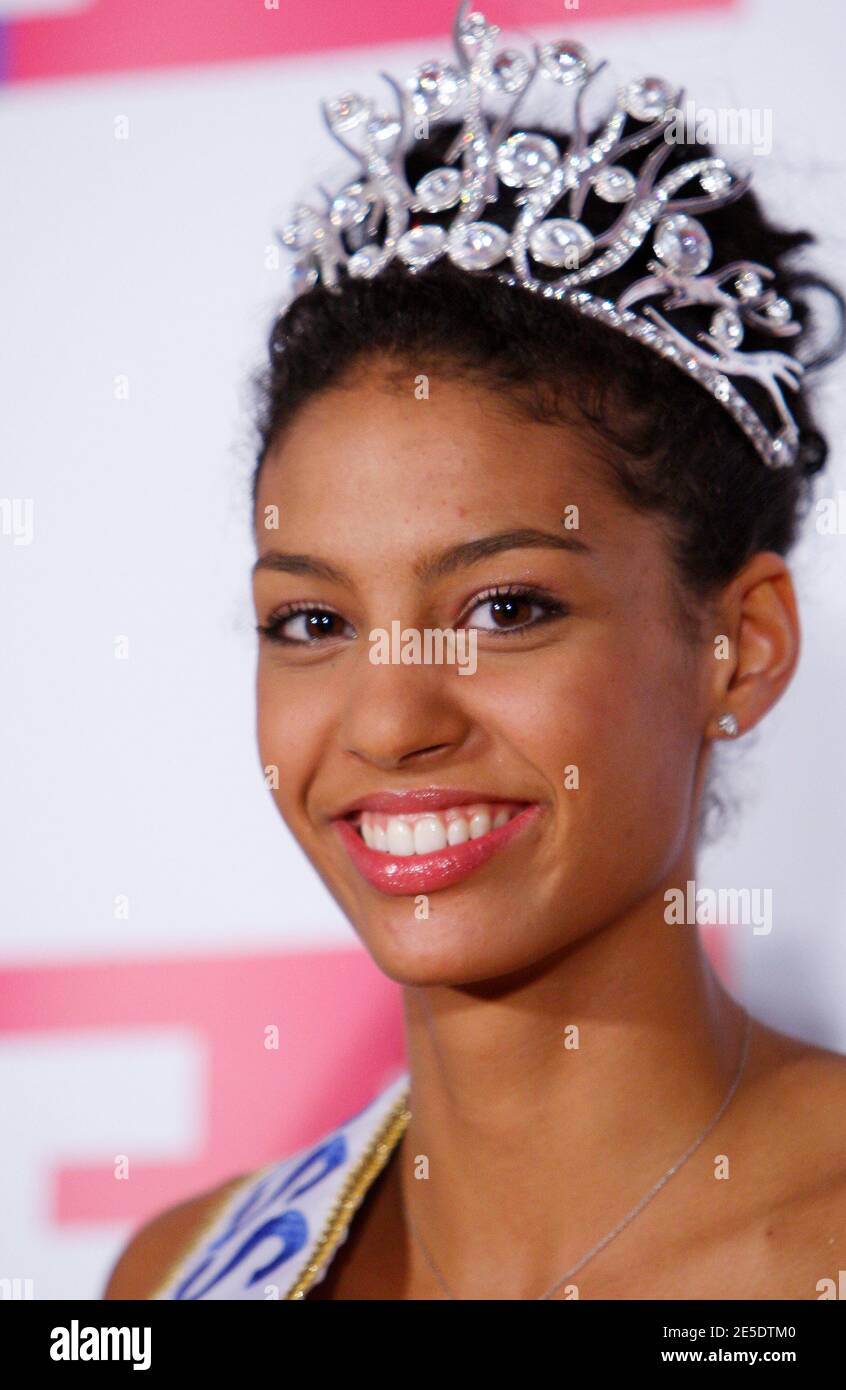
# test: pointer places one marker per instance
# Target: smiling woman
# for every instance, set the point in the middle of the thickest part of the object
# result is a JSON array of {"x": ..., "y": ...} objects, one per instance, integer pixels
[{"x": 613, "y": 530}]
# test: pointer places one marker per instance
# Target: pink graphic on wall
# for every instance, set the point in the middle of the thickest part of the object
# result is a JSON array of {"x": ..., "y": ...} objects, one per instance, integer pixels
[
  {"x": 340, "y": 1041},
  {"x": 125, "y": 35}
]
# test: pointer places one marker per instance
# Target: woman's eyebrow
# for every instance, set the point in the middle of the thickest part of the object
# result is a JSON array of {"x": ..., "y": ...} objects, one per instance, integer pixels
[
  {"x": 282, "y": 563},
  {"x": 459, "y": 556},
  {"x": 456, "y": 557}
]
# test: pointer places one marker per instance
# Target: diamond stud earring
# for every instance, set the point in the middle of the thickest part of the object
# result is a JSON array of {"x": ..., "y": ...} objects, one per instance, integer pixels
[{"x": 728, "y": 725}]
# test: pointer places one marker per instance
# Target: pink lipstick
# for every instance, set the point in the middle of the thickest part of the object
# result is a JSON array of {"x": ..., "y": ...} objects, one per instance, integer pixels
[{"x": 404, "y": 843}]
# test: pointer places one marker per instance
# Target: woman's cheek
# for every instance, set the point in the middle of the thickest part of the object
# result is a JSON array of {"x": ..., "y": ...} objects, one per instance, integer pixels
[{"x": 289, "y": 727}]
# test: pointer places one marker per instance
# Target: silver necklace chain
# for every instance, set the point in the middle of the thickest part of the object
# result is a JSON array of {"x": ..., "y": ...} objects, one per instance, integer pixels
[{"x": 630, "y": 1216}]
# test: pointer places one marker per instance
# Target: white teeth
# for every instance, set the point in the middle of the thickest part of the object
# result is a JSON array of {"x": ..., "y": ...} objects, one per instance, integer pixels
[
  {"x": 457, "y": 831},
  {"x": 430, "y": 831},
  {"x": 400, "y": 836},
  {"x": 429, "y": 835}
]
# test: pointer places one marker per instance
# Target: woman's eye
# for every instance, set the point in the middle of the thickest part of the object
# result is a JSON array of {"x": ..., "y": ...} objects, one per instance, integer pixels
[
  {"x": 507, "y": 612},
  {"x": 306, "y": 625}
]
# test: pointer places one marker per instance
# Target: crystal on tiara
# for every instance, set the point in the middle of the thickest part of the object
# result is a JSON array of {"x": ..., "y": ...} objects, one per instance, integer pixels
[
  {"x": 564, "y": 62},
  {"x": 558, "y": 241},
  {"x": 748, "y": 285},
  {"x": 349, "y": 206},
  {"x": 509, "y": 72},
  {"x": 435, "y": 88},
  {"x": 478, "y": 245},
  {"x": 614, "y": 184},
  {"x": 648, "y": 99},
  {"x": 683, "y": 244},
  {"x": 421, "y": 245},
  {"x": 438, "y": 190},
  {"x": 378, "y": 218},
  {"x": 524, "y": 161},
  {"x": 727, "y": 328}
]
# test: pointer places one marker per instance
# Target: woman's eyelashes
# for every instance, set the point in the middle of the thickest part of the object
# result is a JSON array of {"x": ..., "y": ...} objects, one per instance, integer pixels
[
  {"x": 512, "y": 610},
  {"x": 502, "y": 611},
  {"x": 304, "y": 625}
]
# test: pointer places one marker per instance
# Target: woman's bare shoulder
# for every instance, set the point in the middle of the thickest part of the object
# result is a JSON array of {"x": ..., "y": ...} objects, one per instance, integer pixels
[
  {"x": 157, "y": 1246},
  {"x": 796, "y": 1150},
  {"x": 802, "y": 1074},
  {"x": 797, "y": 1111}
]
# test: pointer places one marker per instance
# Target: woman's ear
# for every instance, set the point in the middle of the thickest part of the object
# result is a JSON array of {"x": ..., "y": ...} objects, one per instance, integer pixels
[{"x": 757, "y": 639}]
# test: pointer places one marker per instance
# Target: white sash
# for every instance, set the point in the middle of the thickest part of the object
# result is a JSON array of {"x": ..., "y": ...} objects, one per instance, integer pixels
[{"x": 276, "y": 1233}]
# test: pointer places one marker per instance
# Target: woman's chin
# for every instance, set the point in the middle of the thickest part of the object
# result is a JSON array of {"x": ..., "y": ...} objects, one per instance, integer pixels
[{"x": 446, "y": 950}]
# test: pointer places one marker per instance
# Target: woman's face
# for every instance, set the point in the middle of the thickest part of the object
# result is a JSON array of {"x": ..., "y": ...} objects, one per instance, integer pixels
[{"x": 516, "y": 799}]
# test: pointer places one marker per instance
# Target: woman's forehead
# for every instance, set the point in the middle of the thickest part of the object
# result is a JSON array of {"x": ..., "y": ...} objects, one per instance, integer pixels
[{"x": 434, "y": 438}]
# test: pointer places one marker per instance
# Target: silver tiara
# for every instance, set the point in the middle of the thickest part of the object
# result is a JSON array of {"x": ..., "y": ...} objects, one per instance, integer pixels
[{"x": 344, "y": 238}]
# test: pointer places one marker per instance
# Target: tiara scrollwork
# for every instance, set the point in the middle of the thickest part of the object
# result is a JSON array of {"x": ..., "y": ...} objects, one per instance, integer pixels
[{"x": 377, "y": 217}]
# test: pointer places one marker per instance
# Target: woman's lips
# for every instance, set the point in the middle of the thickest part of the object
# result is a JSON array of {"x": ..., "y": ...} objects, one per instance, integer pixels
[{"x": 408, "y": 874}]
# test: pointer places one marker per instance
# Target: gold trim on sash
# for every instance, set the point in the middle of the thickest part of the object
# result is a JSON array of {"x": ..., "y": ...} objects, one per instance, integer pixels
[{"x": 366, "y": 1170}]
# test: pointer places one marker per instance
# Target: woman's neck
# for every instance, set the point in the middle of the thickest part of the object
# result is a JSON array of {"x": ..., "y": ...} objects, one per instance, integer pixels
[{"x": 548, "y": 1106}]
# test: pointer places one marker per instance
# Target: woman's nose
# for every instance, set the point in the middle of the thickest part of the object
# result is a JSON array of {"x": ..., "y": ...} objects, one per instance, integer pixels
[{"x": 402, "y": 716}]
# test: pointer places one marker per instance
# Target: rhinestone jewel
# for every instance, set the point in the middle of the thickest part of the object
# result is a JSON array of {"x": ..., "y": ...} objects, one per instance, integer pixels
[
  {"x": 682, "y": 244},
  {"x": 748, "y": 285},
  {"x": 349, "y": 206},
  {"x": 509, "y": 73},
  {"x": 614, "y": 184},
  {"x": 524, "y": 160},
  {"x": 475, "y": 30},
  {"x": 303, "y": 231},
  {"x": 647, "y": 99},
  {"x": 564, "y": 61},
  {"x": 561, "y": 242},
  {"x": 421, "y": 245},
  {"x": 302, "y": 278},
  {"x": 347, "y": 111},
  {"x": 727, "y": 328},
  {"x": 779, "y": 311},
  {"x": 478, "y": 245},
  {"x": 715, "y": 180},
  {"x": 365, "y": 262},
  {"x": 434, "y": 88},
  {"x": 439, "y": 189},
  {"x": 383, "y": 129}
]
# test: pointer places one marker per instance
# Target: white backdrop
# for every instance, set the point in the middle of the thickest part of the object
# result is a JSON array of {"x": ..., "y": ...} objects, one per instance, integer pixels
[{"x": 145, "y": 258}]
